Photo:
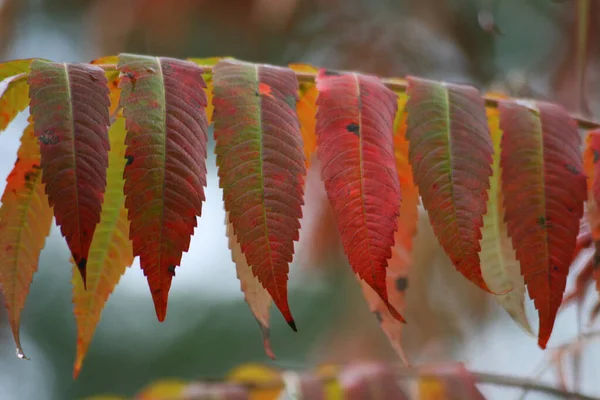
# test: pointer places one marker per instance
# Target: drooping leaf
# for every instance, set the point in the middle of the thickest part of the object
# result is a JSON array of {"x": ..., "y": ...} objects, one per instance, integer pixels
[
  {"x": 110, "y": 252},
  {"x": 306, "y": 110},
  {"x": 355, "y": 149},
  {"x": 544, "y": 189},
  {"x": 261, "y": 167},
  {"x": 451, "y": 154},
  {"x": 499, "y": 266},
  {"x": 69, "y": 106},
  {"x": 208, "y": 79},
  {"x": 163, "y": 104},
  {"x": 25, "y": 221},
  {"x": 258, "y": 298},
  {"x": 113, "y": 79},
  {"x": 13, "y": 91},
  {"x": 397, "y": 283}
]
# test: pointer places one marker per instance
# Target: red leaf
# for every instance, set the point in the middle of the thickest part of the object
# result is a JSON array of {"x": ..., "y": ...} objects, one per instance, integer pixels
[
  {"x": 69, "y": 106},
  {"x": 544, "y": 190},
  {"x": 355, "y": 119},
  {"x": 451, "y": 155},
  {"x": 261, "y": 167},
  {"x": 164, "y": 106}
]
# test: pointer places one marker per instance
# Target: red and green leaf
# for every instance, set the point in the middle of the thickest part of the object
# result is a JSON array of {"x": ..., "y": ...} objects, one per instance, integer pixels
[
  {"x": 499, "y": 266},
  {"x": 110, "y": 250},
  {"x": 544, "y": 189},
  {"x": 258, "y": 298},
  {"x": 163, "y": 104},
  {"x": 13, "y": 91},
  {"x": 25, "y": 221},
  {"x": 261, "y": 167},
  {"x": 355, "y": 118},
  {"x": 69, "y": 106},
  {"x": 451, "y": 155}
]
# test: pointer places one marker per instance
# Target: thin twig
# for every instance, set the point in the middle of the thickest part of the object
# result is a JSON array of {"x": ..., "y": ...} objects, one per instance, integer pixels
[{"x": 398, "y": 85}]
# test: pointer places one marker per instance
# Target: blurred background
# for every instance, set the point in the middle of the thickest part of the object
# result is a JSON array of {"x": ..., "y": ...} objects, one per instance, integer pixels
[{"x": 526, "y": 48}]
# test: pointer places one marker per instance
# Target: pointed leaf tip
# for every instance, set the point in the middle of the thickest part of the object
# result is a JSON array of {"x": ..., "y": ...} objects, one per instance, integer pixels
[
  {"x": 164, "y": 104},
  {"x": 292, "y": 325},
  {"x": 354, "y": 125}
]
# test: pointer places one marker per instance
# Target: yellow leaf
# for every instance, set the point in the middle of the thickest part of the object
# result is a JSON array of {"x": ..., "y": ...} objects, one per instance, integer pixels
[
  {"x": 168, "y": 389},
  {"x": 253, "y": 374},
  {"x": 110, "y": 252},
  {"x": 258, "y": 298}
]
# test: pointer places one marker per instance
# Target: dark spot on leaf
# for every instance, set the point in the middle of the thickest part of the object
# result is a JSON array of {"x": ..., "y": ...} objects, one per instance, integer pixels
[
  {"x": 402, "y": 283},
  {"x": 171, "y": 269},
  {"x": 377, "y": 315},
  {"x": 353, "y": 128},
  {"x": 82, "y": 264},
  {"x": 29, "y": 176},
  {"x": 572, "y": 169},
  {"x": 48, "y": 137},
  {"x": 155, "y": 291},
  {"x": 256, "y": 93},
  {"x": 35, "y": 166},
  {"x": 129, "y": 159},
  {"x": 596, "y": 263},
  {"x": 541, "y": 222},
  {"x": 596, "y": 156},
  {"x": 570, "y": 209},
  {"x": 330, "y": 72},
  {"x": 9, "y": 247},
  {"x": 555, "y": 268}
]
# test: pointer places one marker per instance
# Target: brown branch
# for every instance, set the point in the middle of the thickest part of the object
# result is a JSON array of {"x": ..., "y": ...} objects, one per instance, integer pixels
[{"x": 398, "y": 85}]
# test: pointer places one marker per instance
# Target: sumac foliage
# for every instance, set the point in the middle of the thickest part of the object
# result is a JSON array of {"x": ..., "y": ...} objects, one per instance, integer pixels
[{"x": 116, "y": 152}]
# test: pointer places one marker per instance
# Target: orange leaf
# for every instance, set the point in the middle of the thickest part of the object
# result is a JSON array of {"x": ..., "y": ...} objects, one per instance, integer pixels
[{"x": 25, "y": 221}]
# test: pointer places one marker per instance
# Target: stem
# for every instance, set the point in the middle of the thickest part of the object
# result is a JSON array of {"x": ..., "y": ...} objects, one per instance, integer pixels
[{"x": 398, "y": 85}]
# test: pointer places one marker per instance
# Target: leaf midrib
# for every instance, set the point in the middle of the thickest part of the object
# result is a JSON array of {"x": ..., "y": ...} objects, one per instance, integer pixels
[{"x": 262, "y": 178}]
